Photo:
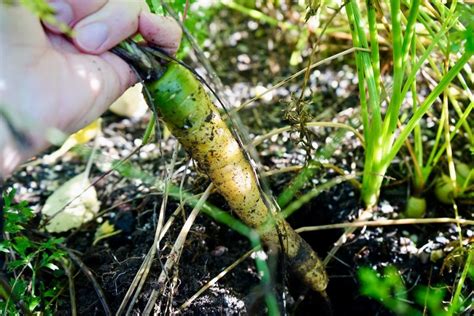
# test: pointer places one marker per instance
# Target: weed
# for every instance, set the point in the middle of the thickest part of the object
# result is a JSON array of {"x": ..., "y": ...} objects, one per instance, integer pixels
[
  {"x": 34, "y": 278},
  {"x": 391, "y": 292}
]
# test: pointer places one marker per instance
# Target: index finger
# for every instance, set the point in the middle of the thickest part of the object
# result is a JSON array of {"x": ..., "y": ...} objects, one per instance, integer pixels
[{"x": 161, "y": 31}]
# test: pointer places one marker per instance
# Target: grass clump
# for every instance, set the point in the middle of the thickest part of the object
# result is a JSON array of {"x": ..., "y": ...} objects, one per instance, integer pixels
[{"x": 386, "y": 119}]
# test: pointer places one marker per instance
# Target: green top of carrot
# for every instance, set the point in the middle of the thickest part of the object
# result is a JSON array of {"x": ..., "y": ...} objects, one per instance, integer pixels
[{"x": 169, "y": 90}]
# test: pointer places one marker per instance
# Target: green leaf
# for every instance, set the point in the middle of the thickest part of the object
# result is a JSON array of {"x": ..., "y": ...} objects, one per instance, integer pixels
[
  {"x": 5, "y": 246},
  {"x": 16, "y": 215},
  {"x": 19, "y": 287},
  {"x": 45, "y": 12},
  {"x": 21, "y": 244},
  {"x": 371, "y": 284},
  {"x": 49, "y": 292},
  {"x": 432, "y": 298},
  {"x": 52, "y": 243},
  {"x": 16, "y": 264},
  {"x": 34, "y": 302},
  {"x": 469, "y": 36},
  {"x": 52, "y": 266},
  {"x": 387, "y": 289},
  {"x": 8, "y": 198},
  {"x": 467, "y": 19}
]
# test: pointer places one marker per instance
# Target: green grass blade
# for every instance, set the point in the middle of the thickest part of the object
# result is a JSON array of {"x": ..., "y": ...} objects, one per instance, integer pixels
[
  {"x": 304, "y": 176},
  {"x": 374, "y": 42},
  {"x": 410, "y": 28},
  {"x": 443, "y": 84},
  {"x": 296, "y": 205},
  {"x": 390, "y": 121},
  {"x": 432, "y": 162}
]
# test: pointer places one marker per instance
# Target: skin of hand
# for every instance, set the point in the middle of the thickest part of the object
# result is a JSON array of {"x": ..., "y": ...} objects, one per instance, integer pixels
[{"x": 49, "y": 82}]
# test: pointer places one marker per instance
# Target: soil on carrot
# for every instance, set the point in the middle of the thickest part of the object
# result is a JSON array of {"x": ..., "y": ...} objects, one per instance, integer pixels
[{"x": 245, "y": 55}]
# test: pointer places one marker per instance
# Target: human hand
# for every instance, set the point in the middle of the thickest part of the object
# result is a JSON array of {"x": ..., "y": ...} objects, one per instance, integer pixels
[{"x": 51, "y": 82}]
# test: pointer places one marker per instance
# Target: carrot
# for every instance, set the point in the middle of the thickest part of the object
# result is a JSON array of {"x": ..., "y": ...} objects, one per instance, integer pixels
[{"x": 184, "y": 106}]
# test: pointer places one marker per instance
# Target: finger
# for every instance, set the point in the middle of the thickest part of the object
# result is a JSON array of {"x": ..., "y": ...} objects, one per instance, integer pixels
[
  {"x": 116, "y": 82},
  {"x": 114, "y": 22},
  {"x": 94, "y": 83},
  {"x": 70, "y": 12},
  {"x": 162, "y": 31},
  {"x": 20, "y": 27}
]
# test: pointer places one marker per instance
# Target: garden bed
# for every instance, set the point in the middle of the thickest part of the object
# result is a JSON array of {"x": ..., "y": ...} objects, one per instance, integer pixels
[{"x": 248, "y": 57}]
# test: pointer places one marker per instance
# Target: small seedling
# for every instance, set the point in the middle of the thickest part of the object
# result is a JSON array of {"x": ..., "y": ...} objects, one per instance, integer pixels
[
  {"x": 34, "y": 278},
  {"x": 416, "y": 207}
]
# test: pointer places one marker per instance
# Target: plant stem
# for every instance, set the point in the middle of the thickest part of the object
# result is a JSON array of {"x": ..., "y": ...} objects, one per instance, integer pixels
[
  {"x": 374, "y": 42},
  {"x": 149, "y": 129},
  {"x": 456, "y": 301},
  {"x": 390, "y": 122},
  {"x": 432, "y": 162},
  {"x": 418, "y": 177},
  {"x": 370, "y": 107},
  {"x": 257, "y": 15}
]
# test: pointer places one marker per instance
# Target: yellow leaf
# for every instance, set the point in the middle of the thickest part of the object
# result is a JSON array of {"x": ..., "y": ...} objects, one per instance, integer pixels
[
  {"x": 104, "y": 231},
  {"x": 71, "y": 205},
  {"x": 80, "y": 137},
  {"x": 87, "y": 133},
  {"x": 131, "y": 103}
]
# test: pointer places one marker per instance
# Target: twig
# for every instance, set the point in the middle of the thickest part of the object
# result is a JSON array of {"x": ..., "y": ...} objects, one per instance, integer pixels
[
  {"x": 7, "y": 294},
  {"x": 145, "y": 268},
  {"x": 217, "y": 278},
  {"x": 297, "y": 74},
  {"x": 87, "y": 272},
  {"x": 388, "y": 222},
  {"x": 258, "y": 140},
  {"x": 72, "y": 289},
  {"x": 175, "y": 254},
  {"x": 185, "y": 11},
  {"x": 138, "y": 277},
  {"x": 314, "y": 50},
  {"x": 273, "y": 172}
]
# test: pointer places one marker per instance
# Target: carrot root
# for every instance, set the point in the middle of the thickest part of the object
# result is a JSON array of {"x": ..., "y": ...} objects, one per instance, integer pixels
[{"x": 191, "y": 116}]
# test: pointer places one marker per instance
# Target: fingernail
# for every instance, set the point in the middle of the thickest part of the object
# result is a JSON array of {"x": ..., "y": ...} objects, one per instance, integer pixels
[
  {"x": 63, "y": 12},
  {"x": 92, "y": 36}
]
